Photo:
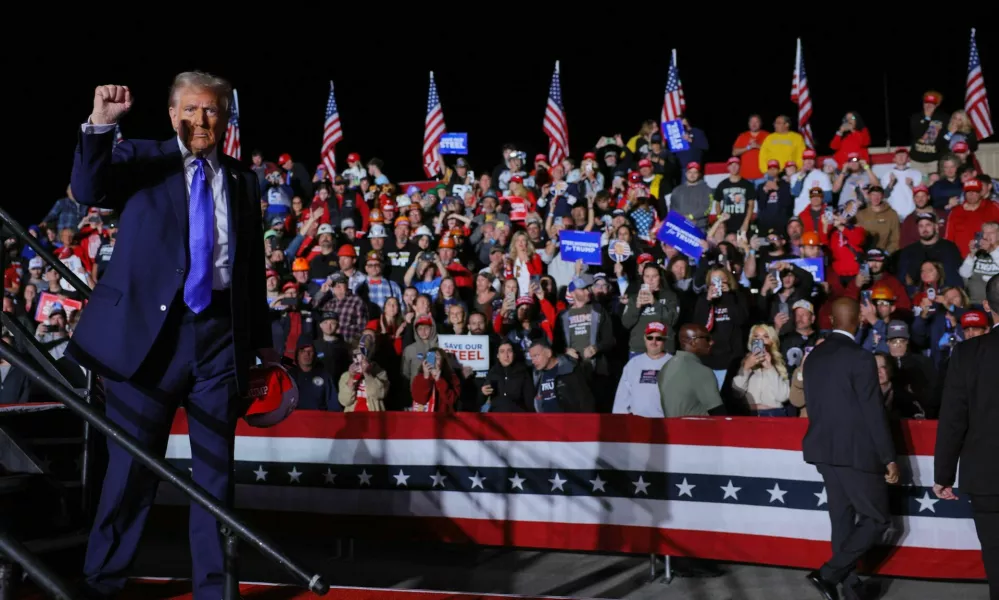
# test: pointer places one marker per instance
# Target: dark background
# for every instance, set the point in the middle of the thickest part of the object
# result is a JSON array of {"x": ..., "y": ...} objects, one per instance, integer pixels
[{"x": 495, "y": 89}]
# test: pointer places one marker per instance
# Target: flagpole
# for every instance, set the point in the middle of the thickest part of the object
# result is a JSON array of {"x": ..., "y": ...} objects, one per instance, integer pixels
[
  {"x": 235, "y": 101},
  {"x": 556, "y": 66},
  {"x": 674, "y": 58}
]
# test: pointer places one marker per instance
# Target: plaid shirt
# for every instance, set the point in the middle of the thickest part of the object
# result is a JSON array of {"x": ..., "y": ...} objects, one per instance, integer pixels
[
  {"x": 66, "y": 213},
  {"x": 352, "y": 311},
  {"x": 379, "y": 292},
  {"x": 356, "y": 280}
]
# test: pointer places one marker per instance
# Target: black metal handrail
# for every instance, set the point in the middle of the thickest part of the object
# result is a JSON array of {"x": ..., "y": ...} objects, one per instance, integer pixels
[
  {"x": 22, "y": 234},
  {"x": 53, "y": 585},
  {"x": 163, "y": 470}
]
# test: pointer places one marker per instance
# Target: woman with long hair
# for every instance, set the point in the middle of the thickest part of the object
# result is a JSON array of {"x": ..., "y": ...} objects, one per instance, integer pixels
[
  {"x": 723, "y": 309},
  {"x": 852, "y": 136},
  {"x": 436, "y": 387},
  {"x": 960, "y": 129},
  {"x": 524, "y": 261},
  {"x": 762, "y": 380}
]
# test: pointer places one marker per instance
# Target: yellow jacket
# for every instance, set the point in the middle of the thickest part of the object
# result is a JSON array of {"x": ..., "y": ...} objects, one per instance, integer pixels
[{"x": 782, "y": 147}]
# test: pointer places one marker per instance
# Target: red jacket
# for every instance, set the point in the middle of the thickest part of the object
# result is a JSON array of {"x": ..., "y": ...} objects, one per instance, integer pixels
[
  {"x": 807, "y": 224},
  {"x": 447, "y": 392},
  {"x": 855, "y": 141},
  {"x": 844, "y": 247}
]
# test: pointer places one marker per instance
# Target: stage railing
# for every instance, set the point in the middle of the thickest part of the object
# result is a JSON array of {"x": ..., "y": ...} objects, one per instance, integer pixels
[{"x": 78, "y": 402}]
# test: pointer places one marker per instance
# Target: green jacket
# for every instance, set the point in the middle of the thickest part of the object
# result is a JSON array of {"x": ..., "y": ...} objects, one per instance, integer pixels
[{"x": 665, "y": 310}]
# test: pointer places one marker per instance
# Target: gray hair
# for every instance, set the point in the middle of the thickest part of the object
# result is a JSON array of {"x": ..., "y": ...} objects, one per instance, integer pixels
[{"x": 202, "y": 80}]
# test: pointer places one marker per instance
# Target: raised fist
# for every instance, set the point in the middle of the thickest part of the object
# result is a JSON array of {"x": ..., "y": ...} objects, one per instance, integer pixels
[{"x": 110, "y": 103}]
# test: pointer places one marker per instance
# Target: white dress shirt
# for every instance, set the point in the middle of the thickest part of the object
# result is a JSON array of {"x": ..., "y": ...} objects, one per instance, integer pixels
[
  {"x": 221, "y": 273},
  {"x": 846, "y": 333}
]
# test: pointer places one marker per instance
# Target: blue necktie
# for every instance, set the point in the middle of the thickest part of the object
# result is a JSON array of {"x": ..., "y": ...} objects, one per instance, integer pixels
[{"x": 201, "y": 241}]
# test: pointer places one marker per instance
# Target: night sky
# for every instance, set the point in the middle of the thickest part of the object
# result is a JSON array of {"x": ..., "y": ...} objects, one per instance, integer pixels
[{"x": 495, "y": 89}]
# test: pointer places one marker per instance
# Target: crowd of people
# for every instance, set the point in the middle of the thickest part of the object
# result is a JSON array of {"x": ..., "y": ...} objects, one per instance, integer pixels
[{"x": 364, "y": 275}]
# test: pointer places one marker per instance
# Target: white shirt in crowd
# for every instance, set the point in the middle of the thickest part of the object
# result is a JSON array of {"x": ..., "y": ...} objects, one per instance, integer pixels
[
  {"x": 901, "y": 194},
  {"x": 638, "y": 390},
  {"x": 812, "y": 178}
]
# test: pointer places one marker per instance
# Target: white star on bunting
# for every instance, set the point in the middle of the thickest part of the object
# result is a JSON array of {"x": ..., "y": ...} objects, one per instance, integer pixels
[
  {"x": 329, "y": 476},
  {"x": 686, "y": 489},
  {"x": 260, "y": 473},
  {"x": 557, "y": 483},
  {"x": 364, "y": 478},
  {"x": 438, "y": 479},
  {"x": 823, "y": 498},
  {"x": 295, "y": 475},
  {"x": 401, "y": 479},
  {"x": 517, "y": 482},
  {"x": 598, "y": 484},
  {"x": 926, "y": 503},
  {"x": 477, "y": 481},
  {"x": 641, "y": 487},
  {"x": 730, "y": 491},
  {"x": 777, "y": 493}
]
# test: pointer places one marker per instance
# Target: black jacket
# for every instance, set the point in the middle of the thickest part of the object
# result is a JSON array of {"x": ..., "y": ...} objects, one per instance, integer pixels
[
  {"x": 513, "y": 388},
  {"x": 847, "y": 424},
  {"x": 969, "y": 417}
]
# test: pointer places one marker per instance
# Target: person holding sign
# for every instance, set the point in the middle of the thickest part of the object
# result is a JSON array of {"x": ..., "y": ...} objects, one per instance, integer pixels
[{"x": 655, "y": 302}]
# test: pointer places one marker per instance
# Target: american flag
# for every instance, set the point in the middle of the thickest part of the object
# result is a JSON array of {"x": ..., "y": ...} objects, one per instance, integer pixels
[
  {"x": 719, "y": 489},
  {"x": 331, "y": 134},
  {"x": 800, "y": 96},
  {"x": 433, "y": 129},
  {"x": 976, "y": 101},
  {"x": 674, "y": 104},
  {"x": 231, "y": 147},
  {"x": 555, "y": 126}
]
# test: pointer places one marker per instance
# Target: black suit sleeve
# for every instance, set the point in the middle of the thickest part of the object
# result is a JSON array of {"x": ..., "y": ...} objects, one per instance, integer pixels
[
  {"x": 260, "y": 334},
  {"x": 953, "y": 424},
  {"x": 872, "y": 406}
]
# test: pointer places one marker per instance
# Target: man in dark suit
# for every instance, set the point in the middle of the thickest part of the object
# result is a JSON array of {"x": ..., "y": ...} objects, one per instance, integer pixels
[
  {"x": 178, "y": 316},
  {"x": 849, "y": 443},
  {"x": 969, "y": 429}
]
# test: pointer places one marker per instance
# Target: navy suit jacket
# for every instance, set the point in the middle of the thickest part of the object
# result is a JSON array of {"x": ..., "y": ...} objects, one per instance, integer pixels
[
  {"x": 144, "y": 180},
  {"x": 847, "y": 422}
]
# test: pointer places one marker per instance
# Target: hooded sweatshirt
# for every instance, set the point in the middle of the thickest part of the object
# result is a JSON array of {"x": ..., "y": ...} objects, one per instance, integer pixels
[{"x": 413, "y": 354}]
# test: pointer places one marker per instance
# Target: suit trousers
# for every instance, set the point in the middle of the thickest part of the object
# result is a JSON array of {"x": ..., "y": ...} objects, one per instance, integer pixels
[
  {"x": 985, "y": 509},
  {"x": 192, "y": 363},
  {"x": 859, "y": 515}
]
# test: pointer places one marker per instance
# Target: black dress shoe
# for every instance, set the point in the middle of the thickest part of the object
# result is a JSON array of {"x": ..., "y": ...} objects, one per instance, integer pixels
[{"x": 827, "y": 589}]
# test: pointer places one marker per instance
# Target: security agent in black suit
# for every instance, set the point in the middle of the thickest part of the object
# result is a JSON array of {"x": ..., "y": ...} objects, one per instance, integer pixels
[
  {"x": 969, "y": 429},
  {"x": 849, "y": 442}
]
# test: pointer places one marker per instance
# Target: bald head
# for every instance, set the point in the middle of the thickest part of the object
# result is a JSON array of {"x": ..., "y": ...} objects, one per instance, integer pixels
[
  {"x": 695, "y": 338},
  {"x": 846, "y": 314}
]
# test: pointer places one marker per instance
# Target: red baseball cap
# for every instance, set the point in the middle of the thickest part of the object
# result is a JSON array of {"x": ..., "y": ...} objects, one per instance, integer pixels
[
  {"x": 920, "y": 188},
  {"x": 644, "y": 163},
  {"x": 273, "y": 395},
  {"x": 972, "y": 185},
  {"x": 901, "y": 150},
  {"x": 735, "y": 160},
  {"x": 353, "y": 157},
  {"x": 693, "y": 165},
  {"x": 538, "y": 157},
  {"x": 773, "y": 163},
  {"x": 590, "y": 156},
  {"x": 961, "y": 146},
  {"x": 284, "y": 158},
  {"x": 974, "y": 318},
  {"x": 808, "y": 154},
  {"x": 790, "y": 163},
  {"x": 655, "y": 327}
]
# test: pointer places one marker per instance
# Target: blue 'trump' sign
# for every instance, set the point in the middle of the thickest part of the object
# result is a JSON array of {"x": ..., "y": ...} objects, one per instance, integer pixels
[
  {"x": 673, "y": 132},
  {"x": 454, "y": 143},
  {"x": 679, "y": 232}
]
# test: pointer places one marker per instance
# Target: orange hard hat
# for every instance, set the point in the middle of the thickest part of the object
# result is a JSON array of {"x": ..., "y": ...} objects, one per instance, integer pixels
[
  {"x": 810, "y": 238},
  {"x": 300, "y": 264},
  {"x": 882, "y": 292}
]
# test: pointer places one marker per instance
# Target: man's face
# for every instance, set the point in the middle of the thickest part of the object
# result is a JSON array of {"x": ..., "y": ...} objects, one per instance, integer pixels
[
  {"x": 875, "y": 198},
  {"x": 794, "y": 230},
  {"x": 197, "y": 118},
  {"x": 898, "y": 347},
  {"x": 901, "y": 158},
  {"x": 373, "y": 268},
  {"x": 257, "y": 160},
  {"x": 921, "y": 199},
  {"x": 346, "y": 262},
  {"x": 949, "y": 169},
  {"x": 754, "y": 123},
  {"x": 476, "y": 324},
  {"x": 803, "y": 319},
  {"x": 927, "y": 229},
  {"x": 329, "y": 326},
  {"x": 693, "y": 175},
  {"x": 780, "y": 125},
  {"x": 300, "y": 276},
  {"x": 306, "y": 356},
  {"x": 539, "y": 356},
  {"x": 973, "y": 332}
]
